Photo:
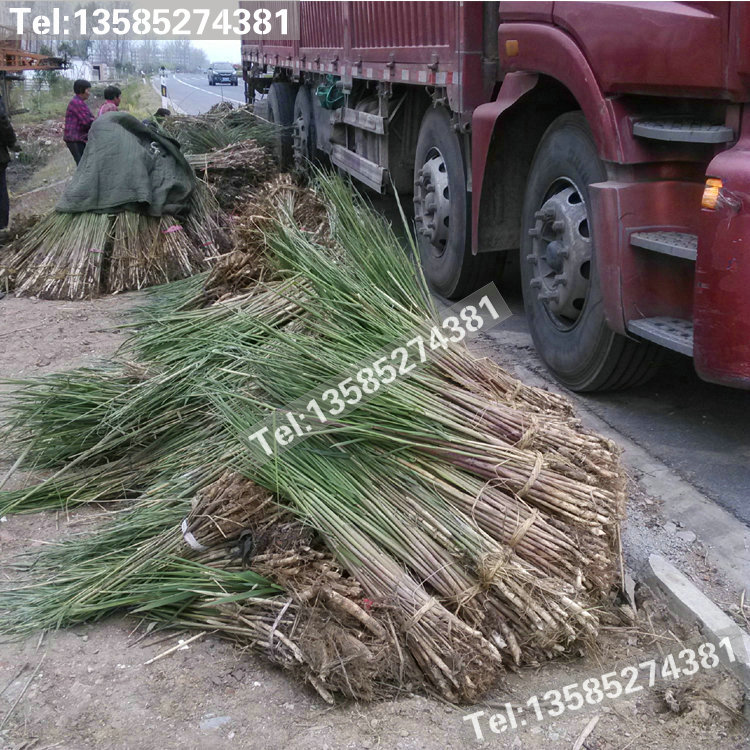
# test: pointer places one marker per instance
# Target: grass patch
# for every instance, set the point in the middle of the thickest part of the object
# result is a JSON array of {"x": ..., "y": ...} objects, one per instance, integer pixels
[
  {"x": 137, "y": 98},
  {"x": 140, "y": 99},
  {"x": 41, "y": 104}
]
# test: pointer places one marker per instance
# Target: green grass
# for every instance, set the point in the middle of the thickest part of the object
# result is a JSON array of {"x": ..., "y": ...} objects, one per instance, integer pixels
[
  {"x": 137, "y": 98},
  {"x": 42, "y": 105}
]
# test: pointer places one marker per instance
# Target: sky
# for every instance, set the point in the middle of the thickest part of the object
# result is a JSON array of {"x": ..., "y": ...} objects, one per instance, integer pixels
[{"x": 220, "y": 51}]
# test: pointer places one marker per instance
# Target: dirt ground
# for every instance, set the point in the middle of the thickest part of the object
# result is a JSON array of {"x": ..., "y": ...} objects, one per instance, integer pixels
[{"x": 89, "y": 687}]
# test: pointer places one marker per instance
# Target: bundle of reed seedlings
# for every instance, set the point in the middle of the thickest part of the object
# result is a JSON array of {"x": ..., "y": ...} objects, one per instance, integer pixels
[
  {"x": 61, "y": 257},
  {"x": 111, "y": 430},
  {"x": 212, "y": 131},
  {"x": 234, "y": 167},
  {"x": 150, "y": 250},
  {"x": 239, "y": 271},
  {"x": 429, "y": 418},
  {"x": 206, "y": 223},
  {"x": 470, "y": 509},
  {"x": 54, "y": 418},
  {"x": 166, "y": 299},
  {"x": 139, "y": 563},
  {"x": 534, "y": 605},
  {"x": 225, "y": 509}
]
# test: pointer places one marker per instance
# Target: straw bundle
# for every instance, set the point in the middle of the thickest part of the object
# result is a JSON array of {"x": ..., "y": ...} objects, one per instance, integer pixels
[
  {"x": 148, "y": 250},
  {"x": 206, "y": 223}
]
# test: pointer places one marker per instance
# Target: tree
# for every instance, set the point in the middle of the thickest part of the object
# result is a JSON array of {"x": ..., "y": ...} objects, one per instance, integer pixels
[{"x": 66, "y": 50}]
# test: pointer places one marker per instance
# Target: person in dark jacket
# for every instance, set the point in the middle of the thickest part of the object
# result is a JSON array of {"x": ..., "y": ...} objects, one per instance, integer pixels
[{"x": 7, "y": 142}]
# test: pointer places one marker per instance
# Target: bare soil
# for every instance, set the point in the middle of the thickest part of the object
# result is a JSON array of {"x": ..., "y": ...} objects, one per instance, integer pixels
[{"x": 88, "y": 687}]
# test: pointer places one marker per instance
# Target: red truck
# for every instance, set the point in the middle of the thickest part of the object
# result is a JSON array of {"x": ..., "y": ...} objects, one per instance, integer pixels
[{"x": 607, "y": 142}]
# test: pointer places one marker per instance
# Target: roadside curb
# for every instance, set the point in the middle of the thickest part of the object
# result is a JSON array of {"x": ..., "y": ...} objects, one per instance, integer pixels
[{"x": 688, "y": 602}]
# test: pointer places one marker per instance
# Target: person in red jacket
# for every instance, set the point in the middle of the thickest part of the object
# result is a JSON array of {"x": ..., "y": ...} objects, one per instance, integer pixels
[
  {"x": 78, "y": 119},
  {"x": 112, "y": 97}
]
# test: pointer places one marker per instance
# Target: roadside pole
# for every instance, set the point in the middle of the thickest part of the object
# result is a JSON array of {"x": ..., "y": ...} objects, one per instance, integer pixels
[{"x": 164, "y": 97}]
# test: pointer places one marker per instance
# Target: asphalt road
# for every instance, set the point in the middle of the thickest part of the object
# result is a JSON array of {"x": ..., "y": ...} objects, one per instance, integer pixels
[{"x": 190, "y": 93}]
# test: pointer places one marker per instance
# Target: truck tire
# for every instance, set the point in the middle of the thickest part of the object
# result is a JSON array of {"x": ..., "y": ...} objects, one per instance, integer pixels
[
  {"x": 442, "y": 211},
  {"x": 561, "y": 290},
  {"x": 261, "y": 109},
  {"x": 304, "y": 130},
  {"x": 281, "y": 113}
]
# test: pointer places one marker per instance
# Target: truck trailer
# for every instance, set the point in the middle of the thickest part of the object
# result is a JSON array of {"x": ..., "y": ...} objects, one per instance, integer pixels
[{"x": 608, "y": 143}]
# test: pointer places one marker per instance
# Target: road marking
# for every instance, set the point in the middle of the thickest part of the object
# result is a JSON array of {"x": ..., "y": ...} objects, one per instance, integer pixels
[{"x": 210, "y": 93}]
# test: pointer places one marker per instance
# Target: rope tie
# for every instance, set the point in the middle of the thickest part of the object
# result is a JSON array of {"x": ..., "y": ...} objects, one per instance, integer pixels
[
  {"x": 531, "y": 481},
  {"x": 529, "y": 435},
  {"x": 523, "y": 529},
  {"x": 420, "y": 613},
  {"x": 190, "y": 539}
]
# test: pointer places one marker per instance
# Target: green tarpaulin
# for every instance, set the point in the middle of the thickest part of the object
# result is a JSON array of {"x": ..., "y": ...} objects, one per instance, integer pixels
[{"x": 128, "y": 166}]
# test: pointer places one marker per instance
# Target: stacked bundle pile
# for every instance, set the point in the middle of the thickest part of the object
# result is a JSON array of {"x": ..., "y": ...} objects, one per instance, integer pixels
[
  {"x": 79, "y": 256},
  {"x": 218, "y": 129},
  {"x": 233, "y": 171},
  {"x": 148, "y": 250},
  {"x": 229, "y": 149},
  {"x": 60, "y": 257},
  {"x": 456, "y": 523}
]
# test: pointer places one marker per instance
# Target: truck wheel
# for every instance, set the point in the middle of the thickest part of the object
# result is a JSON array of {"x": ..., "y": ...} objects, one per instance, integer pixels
[
  {"x": 442, "y": 210},
  {"x": 281, "y": 113},
  {"x": 561, "y": 289},
  {"x": 304, "y": 130}
]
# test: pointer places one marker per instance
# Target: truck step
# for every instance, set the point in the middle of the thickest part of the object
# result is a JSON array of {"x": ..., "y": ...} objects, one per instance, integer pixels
[
  {"x": 362, "y": 120},
  {"x": 364, "y": 170},
  {"x": 683, "y": 130},
  {"x": 672, "y": 333},
  {"x": 677, "y": 244}
]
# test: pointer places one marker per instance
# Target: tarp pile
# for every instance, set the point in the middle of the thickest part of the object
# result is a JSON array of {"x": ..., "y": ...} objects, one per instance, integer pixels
[
  {"x": 134, "y": 215},
  {"x": 455, "y": 524}
]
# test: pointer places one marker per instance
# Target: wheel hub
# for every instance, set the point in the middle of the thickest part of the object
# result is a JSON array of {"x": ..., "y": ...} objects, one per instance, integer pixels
[
  {"x": 432, "y": 205},
  {"x": 561, "y": 254},
  {"x": 301, "y": 141}
]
